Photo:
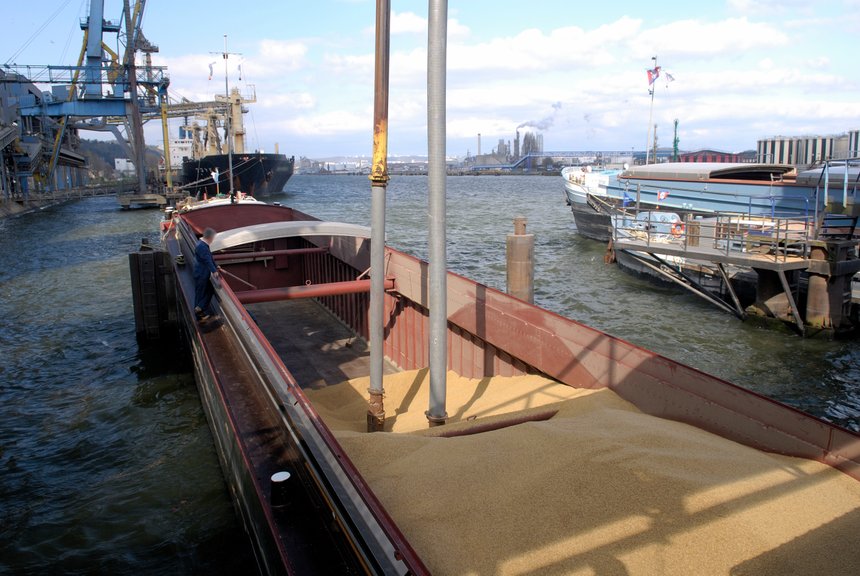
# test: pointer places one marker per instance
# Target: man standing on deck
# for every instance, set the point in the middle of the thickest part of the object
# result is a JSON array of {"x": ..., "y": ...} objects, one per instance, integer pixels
[{"x": 204, "y": 266}]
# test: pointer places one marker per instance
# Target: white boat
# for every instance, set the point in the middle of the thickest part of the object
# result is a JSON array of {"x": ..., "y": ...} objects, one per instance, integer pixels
[{"x": 585, "y": 193}]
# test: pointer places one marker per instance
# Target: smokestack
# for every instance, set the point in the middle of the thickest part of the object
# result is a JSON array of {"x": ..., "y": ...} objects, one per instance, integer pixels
[
  {"x": 517, "y": 145},
  {"x": 479, "y": 143}
]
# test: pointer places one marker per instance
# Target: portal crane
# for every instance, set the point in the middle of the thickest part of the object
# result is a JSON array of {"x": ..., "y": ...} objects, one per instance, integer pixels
[{"x": 102, "y": 85}]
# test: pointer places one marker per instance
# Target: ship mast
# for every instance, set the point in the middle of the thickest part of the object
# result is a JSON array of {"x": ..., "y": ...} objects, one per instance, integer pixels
[
  {"x": 228, "y": 119},
  {"x": 651, "y": 87}
]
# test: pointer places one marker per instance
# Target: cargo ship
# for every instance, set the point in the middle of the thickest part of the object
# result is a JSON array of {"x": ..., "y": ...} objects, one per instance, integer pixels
[
  {"x": 206, "y": 172},
  {"x": 550, "y": 447},
  {"x": 565, "y": 447}
]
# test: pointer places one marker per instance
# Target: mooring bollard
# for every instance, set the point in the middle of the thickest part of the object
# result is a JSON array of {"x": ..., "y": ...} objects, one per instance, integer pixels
[
  {"x": 280, "y": 494},
  {"x": 521, "y": 262}
]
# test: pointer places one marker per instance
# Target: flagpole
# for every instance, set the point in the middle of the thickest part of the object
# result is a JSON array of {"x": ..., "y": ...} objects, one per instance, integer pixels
[{"x": 651, "y": 89}]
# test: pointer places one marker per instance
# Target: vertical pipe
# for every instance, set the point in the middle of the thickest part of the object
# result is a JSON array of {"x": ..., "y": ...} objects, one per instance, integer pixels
[
  {"x": 826, "y": 188},
  {"x": 378, "y": 182},
  {"x": 437, "y": 172},
  {"x": 166, "y": 136}
]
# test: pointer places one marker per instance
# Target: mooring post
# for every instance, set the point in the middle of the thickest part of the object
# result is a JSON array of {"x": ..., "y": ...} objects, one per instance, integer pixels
[
  {"x": 521, "y": 262},
  {"x": 832, "y": 265}
]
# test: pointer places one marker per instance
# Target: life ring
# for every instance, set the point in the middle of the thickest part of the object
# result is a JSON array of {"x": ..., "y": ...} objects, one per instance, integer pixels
[{"x": 677, "y": 229}]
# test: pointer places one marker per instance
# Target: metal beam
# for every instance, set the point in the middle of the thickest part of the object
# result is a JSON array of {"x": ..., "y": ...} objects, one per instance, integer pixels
[
  {"x": 93, "y": 74},
  {"x": 308, "y": 291},
  {"x": 794, "y": 310},
  {"x": 269, "y": 253},
  {"x": 90, "y": 108}
]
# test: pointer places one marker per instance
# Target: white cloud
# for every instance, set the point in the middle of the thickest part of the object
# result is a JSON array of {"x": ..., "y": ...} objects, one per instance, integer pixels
[
  {"x": 693, "y": 38},
  {"x": 330, "y": 123},
  {"x": 407, "y": 23},
  {"x": 280, "y": 55},
  {"x": 768, "y": 7},
  {"x": 288, "y": 101}
]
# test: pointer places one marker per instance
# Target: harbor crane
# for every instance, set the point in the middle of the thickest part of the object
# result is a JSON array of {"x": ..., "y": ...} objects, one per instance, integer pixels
[{"x": 103, "y": 85}]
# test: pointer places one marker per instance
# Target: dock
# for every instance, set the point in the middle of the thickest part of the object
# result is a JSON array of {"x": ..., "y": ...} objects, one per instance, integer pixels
[{"x": 777, "y": 249}]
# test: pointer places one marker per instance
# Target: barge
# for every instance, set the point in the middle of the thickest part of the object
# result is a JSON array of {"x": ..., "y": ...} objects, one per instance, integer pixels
[
  {"x": 548, "y": 446},
  {"x": 293, "y": 321}
]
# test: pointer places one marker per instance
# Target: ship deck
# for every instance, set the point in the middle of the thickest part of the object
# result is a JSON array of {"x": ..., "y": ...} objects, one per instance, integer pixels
[{"x": 316, "y": 347}]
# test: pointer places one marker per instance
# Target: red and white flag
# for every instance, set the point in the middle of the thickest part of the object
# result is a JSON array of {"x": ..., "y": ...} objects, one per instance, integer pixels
[{"x": 653, "y": 74}]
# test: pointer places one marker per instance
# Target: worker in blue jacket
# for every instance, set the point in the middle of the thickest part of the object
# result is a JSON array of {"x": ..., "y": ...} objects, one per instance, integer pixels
[{"x": 204, "y": 267}]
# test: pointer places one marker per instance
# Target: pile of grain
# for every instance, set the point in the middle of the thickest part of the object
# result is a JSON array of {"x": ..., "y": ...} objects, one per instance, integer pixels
[{"x": 598, "y": 489}]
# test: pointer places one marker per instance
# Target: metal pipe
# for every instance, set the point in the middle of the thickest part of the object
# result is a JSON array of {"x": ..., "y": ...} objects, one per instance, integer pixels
[
  {"x": 499, "y": 424},
  {"x": 268, "y": 253},
  {"x": 308, "y": 291},
  {"x": 378, "y": 183},
  {"x": 437, "y": 171}
]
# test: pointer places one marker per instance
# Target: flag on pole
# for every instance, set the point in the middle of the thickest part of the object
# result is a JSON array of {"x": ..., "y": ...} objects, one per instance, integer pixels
[
  {"x": 211, "y": 64},
  {"x": 653, "y": 74},
  {"x": 669, "y": 77}
]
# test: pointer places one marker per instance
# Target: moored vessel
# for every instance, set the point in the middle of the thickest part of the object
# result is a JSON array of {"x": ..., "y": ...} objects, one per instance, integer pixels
[
  {"x": 293, "y": 309},
  {"x": 207, "y": 172}
]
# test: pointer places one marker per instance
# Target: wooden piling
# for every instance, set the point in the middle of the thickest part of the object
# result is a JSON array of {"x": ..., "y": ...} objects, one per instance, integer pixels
[{"x": 520, "y": 262}]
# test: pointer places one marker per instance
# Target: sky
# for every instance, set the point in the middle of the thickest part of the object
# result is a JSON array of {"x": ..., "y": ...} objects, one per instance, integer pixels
[{"x": 742, "y": 69}]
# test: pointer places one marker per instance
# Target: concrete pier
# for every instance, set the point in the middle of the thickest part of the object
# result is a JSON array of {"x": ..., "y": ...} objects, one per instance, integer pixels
[{"x": 832, "y": 265}]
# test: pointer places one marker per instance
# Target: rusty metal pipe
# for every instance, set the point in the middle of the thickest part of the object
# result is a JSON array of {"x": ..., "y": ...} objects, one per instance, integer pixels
[
  {"x": 308, "y": 291},
  {"x": 498, "y": 424},
  {"x": 378, "y": 183},
  {"x": 268, "y": 253}
]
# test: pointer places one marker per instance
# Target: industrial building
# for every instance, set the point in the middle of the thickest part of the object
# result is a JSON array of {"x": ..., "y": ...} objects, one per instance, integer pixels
[{"x": 805, "y": 151}]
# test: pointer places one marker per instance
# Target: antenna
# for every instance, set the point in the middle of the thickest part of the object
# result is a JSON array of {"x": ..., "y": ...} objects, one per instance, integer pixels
[{"x": 229, "y": 118}]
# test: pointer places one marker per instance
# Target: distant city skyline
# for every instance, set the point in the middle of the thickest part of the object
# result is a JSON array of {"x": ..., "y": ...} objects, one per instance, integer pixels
[{"x": 742, "y": 69}]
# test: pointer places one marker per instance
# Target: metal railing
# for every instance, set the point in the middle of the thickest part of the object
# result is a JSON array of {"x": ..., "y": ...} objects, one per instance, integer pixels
[{"x": 778, "y": 239}]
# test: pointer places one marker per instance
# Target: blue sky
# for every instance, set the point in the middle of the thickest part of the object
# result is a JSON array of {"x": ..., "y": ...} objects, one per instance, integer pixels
[{"x": 743, "y": 69}]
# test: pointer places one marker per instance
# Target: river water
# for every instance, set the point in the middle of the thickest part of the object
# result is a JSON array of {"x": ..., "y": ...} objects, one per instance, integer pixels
[{"x": 106, "y": 462}]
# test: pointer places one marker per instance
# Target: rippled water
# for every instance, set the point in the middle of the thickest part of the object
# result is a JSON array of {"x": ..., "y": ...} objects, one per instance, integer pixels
[{"x": 106, "y": 462}]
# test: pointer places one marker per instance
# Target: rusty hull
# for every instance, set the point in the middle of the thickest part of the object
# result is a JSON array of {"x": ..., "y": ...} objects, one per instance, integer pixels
[{"x": 489, "y": 333}]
